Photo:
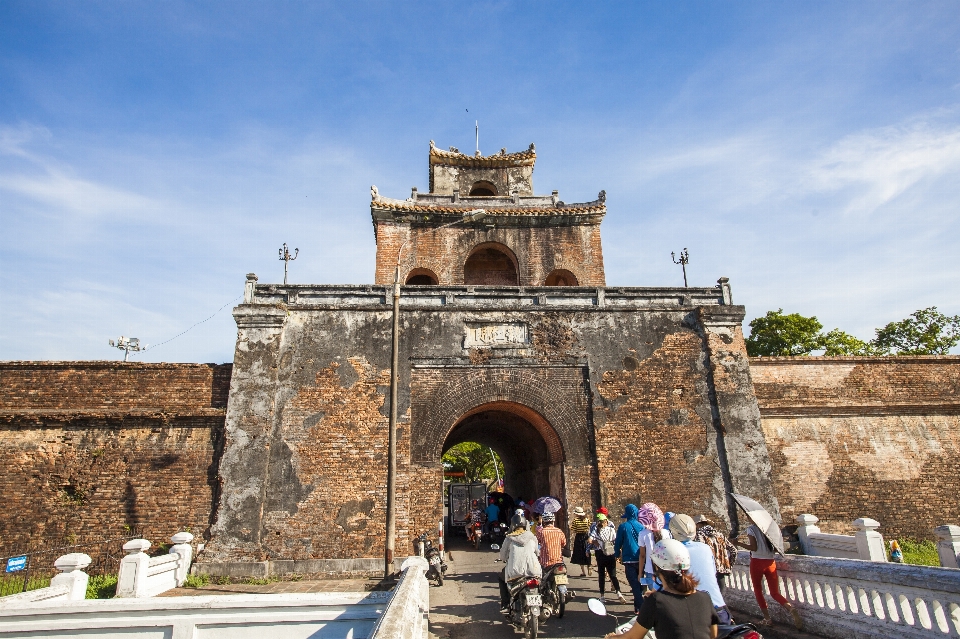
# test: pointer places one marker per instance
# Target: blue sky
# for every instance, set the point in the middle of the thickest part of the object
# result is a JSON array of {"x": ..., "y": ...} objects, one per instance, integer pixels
[{"x": 152, "y": 154}]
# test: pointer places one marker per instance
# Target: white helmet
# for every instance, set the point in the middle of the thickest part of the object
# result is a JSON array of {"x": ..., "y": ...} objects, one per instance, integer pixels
[{"x": 670, "y": 554}]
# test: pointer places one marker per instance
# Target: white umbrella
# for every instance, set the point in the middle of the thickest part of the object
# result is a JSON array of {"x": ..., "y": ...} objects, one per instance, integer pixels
[
  {"x": 545, "y": 505},
  {"x": 759, "y": 516}
]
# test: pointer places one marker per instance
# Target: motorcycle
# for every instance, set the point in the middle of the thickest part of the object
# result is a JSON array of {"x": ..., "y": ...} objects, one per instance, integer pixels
[
  {"x": 736, "y": 631},
  {"x": 525, "y": 606},
  {"x": 553, "y": 589},
  {"x": 437, "y": 565},
  {"x": 476, "y": 528}
]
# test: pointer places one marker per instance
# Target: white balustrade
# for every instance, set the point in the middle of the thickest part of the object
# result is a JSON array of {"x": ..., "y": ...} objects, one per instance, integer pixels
[
  {"x": 866, "y": 544},
  {"x": 145, "y": 576},
  {"x": 856, "y": 599},
  {"x": 406, "y": 616},
  {"x": 948, "y": 546},
  {"x": 69, "y": 585}
]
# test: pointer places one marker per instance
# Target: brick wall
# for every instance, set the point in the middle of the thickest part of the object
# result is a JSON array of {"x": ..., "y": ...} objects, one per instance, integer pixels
[
  {"x": 95, "y": 449},
  {"x": 538, "y": 251},
  {"x": 857, "y": 437}
]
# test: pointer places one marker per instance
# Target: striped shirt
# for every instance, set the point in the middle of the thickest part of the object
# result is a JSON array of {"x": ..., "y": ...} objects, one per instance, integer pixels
[
  {"x": 579, "y": 525},
  {"x": 552, "y": 542}
]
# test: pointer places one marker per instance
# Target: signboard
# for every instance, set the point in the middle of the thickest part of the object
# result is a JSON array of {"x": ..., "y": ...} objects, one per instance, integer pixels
[
  {"x": 16, "y": 563},
  {"x": 509, "y": 335}
]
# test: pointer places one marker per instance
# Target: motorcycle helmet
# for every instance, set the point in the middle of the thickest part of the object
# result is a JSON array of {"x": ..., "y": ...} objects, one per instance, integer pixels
[
  {"x": 518, "y": 521},
  {"x": 671, "y": 555}
]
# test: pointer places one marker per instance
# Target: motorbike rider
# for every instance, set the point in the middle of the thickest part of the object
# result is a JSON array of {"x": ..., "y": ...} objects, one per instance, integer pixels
[
  {"x": 519, "y": 553},
  {"x": 552, "y": 541},
  {"x": 493, "y": 515},
  {"x": 475, "y": 517}
]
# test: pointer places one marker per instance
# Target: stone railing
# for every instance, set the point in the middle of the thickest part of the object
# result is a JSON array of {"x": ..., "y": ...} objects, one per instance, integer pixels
[
  {"x": 145, "y": 576},
  {"x": 289, "y": 615},
  {"x": 406, "y": 616},
  {"x": 69, "y": 585},
  {"x": 866, "y": 544},
  {"x": 855, "y": 599},
  {"x": 484, "y": 297},
  {"x": 948, "y": 545}
]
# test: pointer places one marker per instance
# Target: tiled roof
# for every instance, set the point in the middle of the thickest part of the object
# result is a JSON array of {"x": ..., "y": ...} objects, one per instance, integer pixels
[
  {"x": 408, "y": 206},
  {"x": 454, "y": 157}
]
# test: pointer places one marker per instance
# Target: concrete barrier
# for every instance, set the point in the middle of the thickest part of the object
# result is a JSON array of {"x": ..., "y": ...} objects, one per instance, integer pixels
[
  {"x": 291, "y": 616},
  {"x": 856, "y": 599},
  {"x": 407, "y": 614}
]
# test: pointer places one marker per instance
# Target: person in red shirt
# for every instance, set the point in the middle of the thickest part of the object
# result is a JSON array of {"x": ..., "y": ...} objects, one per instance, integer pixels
[{"x": 552, "y": 541}]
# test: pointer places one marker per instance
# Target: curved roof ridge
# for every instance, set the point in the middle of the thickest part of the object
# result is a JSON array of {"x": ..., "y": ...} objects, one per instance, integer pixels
[{"x": 502, "y": 159}]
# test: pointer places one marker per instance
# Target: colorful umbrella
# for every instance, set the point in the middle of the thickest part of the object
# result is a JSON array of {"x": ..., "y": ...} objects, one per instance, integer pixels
[
  {"x": 545, "y": 505},
  {"x": 759, "y": 516}
]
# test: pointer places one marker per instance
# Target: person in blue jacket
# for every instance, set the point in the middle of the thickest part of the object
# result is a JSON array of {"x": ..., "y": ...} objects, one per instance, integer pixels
[{"x": 627, "y": 549}]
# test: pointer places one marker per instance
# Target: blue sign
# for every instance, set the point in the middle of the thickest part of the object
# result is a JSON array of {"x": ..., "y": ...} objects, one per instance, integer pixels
[{"x": 16, "y": 563}]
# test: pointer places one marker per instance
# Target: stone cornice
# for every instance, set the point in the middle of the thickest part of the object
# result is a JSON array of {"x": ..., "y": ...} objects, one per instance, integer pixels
[
  {"x": 822, "y": 360},
  {"x": 857, "y": 410}
]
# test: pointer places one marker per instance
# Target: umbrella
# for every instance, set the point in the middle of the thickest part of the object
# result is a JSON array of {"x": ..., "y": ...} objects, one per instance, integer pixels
[
  {"x": 545, "y": 505},
  {"x": 759, "y": 516}
]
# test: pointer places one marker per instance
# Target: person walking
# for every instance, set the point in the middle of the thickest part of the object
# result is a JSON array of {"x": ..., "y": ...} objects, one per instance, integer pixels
[
  {"x": 580, "y": 529},
  {"x": 652, "y": 519},
  {"x": 603, "y": 538},
  {"x": 519, "y": 553},
  {"x": 703, "y": 567},
  {"x": 626, "y": 548},
  {"x": 723, "y": 551},
  {"x": 678, "y": 611},
  {"x": 763, "y": 565}
]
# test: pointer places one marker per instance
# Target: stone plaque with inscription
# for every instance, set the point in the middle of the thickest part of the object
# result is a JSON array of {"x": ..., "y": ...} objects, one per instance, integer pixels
[{"x": 500, "y": 335}]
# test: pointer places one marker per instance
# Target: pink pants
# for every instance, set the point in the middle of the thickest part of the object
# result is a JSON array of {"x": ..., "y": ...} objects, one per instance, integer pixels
[{"x": 760, "y": 568}]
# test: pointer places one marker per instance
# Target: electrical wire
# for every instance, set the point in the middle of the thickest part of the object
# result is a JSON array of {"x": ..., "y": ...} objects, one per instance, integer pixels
[{"x": 150, "y": 348}]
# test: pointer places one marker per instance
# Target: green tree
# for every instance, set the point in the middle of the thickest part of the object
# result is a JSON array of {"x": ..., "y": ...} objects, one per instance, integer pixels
[
  {"x": 779, "y": 334},
  {"x": 836, "y": 342},
  {"x": 925, "y": 332},
  {"x": 476, "y": 462}
]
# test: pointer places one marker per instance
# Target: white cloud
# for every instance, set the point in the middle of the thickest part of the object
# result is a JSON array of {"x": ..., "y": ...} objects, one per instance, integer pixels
[{"x": 875, "y": 167}]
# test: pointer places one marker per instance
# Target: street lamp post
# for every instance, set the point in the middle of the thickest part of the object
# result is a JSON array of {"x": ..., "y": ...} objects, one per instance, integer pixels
[
  {"x": 390, "y": 542},
  {"x": 684, "y": 260}
]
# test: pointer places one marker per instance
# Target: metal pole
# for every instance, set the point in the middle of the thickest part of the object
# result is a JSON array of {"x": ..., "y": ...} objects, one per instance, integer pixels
[
  {"x": 391, "y": 534},
  {"x": 390, "y": 544}
]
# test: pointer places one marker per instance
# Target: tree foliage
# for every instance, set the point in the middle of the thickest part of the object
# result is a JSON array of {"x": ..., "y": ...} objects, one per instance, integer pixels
[
  {"x": 779, "y": 334},
  {"x": 476, "y": 462},
  {"x": 925, "y": 332}
]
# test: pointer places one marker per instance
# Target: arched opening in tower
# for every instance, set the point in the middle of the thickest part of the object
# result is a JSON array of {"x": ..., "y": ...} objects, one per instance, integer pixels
[
  {"x": 561, "y": 277},
  {"x": 491, "y": 264},
  {"x": 421, "y": 277},
  {"x": 530, "y": 449},
  {"x": 483, "y": 189}
]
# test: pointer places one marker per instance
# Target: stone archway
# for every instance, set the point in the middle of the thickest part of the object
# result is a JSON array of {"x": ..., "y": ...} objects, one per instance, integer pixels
[
  {"x": 491, "y": 264},
  {"x": 547, "y": 406}
]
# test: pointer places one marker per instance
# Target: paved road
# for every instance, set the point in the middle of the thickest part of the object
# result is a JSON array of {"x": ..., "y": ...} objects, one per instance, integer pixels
[{"x": 467, "y": 606}]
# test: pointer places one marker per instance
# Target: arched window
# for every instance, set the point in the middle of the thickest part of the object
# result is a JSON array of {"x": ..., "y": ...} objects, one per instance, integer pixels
[
  {"x": 483, "y": 188},
  {"x": 422, "y": 277},
  {"x": 561, "y": 277},
  {"x": 491, "y": 264}
]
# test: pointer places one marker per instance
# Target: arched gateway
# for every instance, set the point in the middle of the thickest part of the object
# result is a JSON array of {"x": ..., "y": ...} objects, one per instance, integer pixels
[
  {"x": 595, "y": 395},
  {"x": 536, "y": 418}
]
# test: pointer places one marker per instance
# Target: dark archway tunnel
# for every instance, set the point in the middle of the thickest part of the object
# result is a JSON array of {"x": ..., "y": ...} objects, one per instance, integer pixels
[{"x": 527, "y": 444}]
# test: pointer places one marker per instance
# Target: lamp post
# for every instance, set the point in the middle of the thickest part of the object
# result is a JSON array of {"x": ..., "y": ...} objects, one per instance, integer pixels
[
  {"x": 684, "y": 260},
  {"x": 390, "y": 542},
  {"x": 286, "y": 258}
]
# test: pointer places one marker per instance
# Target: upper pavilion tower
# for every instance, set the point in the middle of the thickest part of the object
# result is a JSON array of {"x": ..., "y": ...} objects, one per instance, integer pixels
[{"x": 522, "y": 240}]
